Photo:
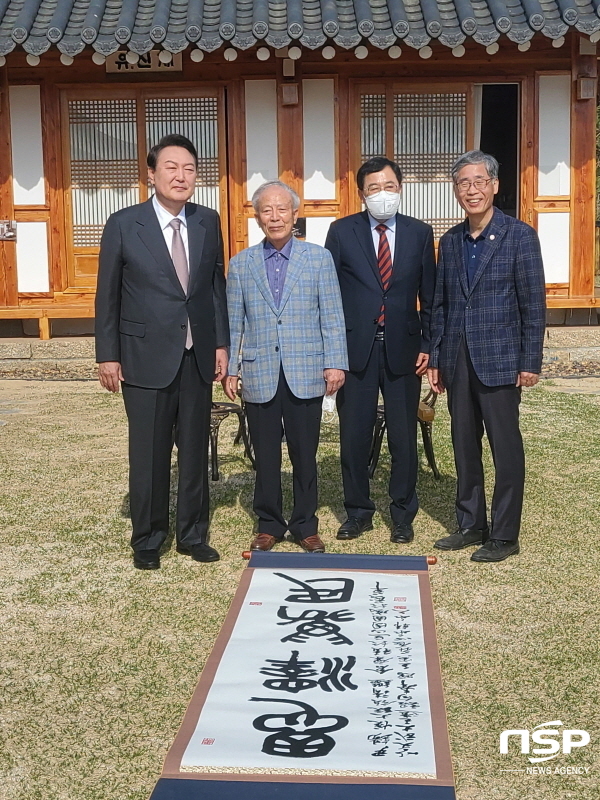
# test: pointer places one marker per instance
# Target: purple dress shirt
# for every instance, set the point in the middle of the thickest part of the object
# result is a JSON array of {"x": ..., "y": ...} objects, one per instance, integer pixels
[{"x": 276, "y": 263}]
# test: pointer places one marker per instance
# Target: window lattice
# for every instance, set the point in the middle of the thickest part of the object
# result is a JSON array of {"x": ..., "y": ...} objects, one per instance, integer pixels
[
  {"x": 104, "y": 169},
  {"x": 196, "y": 118},
  {"x": 87, "y": 235},
  {"x": 429, "y": 134},
  {"x": 372, "y": 115},
  {"x": 105, "y": 172}
]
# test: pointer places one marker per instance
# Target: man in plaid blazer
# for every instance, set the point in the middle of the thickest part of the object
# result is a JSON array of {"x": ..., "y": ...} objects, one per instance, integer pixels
[
  {"x": 487, "y": 334},
  {"x": 289, "y": 337}
]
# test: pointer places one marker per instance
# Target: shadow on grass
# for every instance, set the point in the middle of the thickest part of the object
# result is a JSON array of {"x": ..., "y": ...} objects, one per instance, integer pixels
[{"x": 235, "y": 489}]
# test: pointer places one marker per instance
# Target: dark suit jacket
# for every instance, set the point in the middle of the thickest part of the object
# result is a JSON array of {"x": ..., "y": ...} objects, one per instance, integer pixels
[
  {"x": 406, "y": 331},
  {"x": 502, "y": 313},
  {"x": 141, "y": 309}
]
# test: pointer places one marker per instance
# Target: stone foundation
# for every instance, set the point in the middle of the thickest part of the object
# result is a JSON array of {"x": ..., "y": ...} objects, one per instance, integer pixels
[
  {"x": 64, "y": 359},
  {"x": 73, "y": 358}
]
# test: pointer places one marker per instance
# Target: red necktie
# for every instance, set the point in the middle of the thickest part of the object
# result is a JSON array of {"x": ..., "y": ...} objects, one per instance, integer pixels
[{"x": 384, "y": 262}]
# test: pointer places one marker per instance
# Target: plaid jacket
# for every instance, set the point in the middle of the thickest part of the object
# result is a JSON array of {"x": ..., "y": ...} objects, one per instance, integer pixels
[
  {"x": 305, "y": 335},
  {"x": 502, "y": 315}
]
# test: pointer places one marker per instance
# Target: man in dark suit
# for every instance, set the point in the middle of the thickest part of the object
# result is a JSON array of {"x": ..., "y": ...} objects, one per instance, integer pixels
[
  {"x": 487, "y": 338},
  {"x": 162, "y": 333},
  {"x": 385, "y": 261}
]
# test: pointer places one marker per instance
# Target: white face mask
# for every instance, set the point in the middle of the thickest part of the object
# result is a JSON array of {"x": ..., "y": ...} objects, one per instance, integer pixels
[{"x": 383, "y": 205}]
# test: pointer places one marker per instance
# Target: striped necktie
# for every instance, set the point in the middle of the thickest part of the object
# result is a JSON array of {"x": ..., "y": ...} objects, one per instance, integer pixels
[{"x": 384, "y": 262}]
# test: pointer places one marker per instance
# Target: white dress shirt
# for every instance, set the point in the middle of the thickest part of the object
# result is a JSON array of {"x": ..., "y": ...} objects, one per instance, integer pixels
[
  {"x": 391, "y": 233},
  {"x": 164, "y": 220}
]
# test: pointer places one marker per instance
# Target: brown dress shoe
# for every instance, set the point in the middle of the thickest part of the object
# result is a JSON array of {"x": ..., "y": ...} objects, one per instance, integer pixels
[
  {"x": 312, "y": 544},
  {"x": 263, "y": 541}
]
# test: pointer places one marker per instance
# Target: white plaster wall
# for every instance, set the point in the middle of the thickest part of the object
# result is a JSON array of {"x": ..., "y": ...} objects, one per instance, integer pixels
[
  {"x": 319, "y": 139},
  {"x": 316, "y": 229},
  {"x": 32, "y": 257},
  {"x": 255, "y": 235},
  {"x": 553, "y": 230},
  {"x": 261, "y": 134},
  {"x": 26, "y": 141},
  {"x": 554, "y": 132}
]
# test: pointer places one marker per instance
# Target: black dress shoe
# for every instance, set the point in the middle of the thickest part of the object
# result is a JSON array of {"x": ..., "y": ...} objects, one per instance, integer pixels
[
  {"x": 199, "y": 552},
  {"x": 146, "y": 559},
  {"x": 496, "y": 550},
  {"x": 462, "y": 537},
  {"x": 403, "y": 533},
  {"x": 354, "y": 527}
]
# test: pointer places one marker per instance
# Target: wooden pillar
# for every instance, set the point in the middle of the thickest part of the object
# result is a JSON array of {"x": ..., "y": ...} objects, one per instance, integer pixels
[
  {"x": 347, "y": 186},
  {"x": 583, "y": 161},
  {"x": 8, "y": 255},
  {"x": 528, "y": 149},
  {"x": 236, "y": 158},
  {"x": 290, "y": 128},
  {"x": 55, "y": 195}
]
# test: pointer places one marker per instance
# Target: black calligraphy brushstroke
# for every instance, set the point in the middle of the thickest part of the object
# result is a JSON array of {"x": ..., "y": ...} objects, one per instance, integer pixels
[
  {"x": 290, "y": 676},
  {"x": 295, "y": 676},
  {"x": 323, "y": 594},
  {"x": 284, "y": 740},
  {"x": 331, "y": 670},
  {"x": 316, "y": 624}
]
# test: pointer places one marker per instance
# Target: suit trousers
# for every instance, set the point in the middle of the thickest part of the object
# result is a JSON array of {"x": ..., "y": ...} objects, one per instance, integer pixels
[
  {"x": 357, "y": 409},
  {"x": 301, "y": 420},
  {"x": 155, "y": 417},
  {"x": 474, "y": 407}
]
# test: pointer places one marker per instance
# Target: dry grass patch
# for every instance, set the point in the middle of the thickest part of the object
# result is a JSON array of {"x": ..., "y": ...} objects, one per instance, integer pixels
[{"x": 99, "y": 660}]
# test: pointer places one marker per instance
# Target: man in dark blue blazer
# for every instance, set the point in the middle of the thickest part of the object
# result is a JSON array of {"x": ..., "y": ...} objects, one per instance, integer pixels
[
  {"x": 487, "y": 337},
  {"x": 385, "y": 261}
]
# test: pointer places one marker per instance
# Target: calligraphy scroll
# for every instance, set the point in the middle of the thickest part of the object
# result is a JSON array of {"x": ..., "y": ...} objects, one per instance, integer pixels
[{"x": 321, "y": 675}]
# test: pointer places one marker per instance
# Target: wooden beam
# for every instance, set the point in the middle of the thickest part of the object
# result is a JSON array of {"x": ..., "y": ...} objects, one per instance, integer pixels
[
  {"x": 8, "y": 250},
  {"x": 583, "y": 177},
  {"x": 572, "y": 302},
  {"x": 20, "y": 312}
]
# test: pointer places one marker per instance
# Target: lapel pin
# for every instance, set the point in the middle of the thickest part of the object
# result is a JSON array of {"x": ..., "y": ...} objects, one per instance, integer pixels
[{"x": 492, "y": 237}]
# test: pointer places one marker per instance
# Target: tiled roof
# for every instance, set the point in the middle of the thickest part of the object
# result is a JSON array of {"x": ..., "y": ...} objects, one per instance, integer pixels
[{"x": 141, "y": 25}]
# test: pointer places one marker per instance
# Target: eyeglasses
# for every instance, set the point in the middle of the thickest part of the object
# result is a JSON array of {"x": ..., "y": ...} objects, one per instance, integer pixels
[
  {"x": 374, "y": 188},
  {"x": 479, "y": 184}
]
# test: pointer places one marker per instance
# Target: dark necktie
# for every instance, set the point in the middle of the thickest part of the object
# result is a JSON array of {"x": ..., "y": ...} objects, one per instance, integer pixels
[
  {"x": 180, "y": 263},
  {"x": 384, "y": 262}
]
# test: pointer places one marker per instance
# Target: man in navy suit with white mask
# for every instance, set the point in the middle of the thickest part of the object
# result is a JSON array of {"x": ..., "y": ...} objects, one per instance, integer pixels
[{"x": 385, "y": 263}]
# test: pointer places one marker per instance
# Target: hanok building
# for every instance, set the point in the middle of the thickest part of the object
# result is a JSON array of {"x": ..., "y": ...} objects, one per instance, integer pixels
[{"x": 302, "y": 91}]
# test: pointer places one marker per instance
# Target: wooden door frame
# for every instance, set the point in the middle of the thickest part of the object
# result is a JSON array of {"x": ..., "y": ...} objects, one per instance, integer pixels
[
  {"x": 389, "y": 87},
  {"x": 138, "y": 92},
  {"x": 290, "y": 155}
]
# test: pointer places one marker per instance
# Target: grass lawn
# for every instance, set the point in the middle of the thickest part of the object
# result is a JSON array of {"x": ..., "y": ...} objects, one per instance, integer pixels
[{"x": 98, "y": 660}]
